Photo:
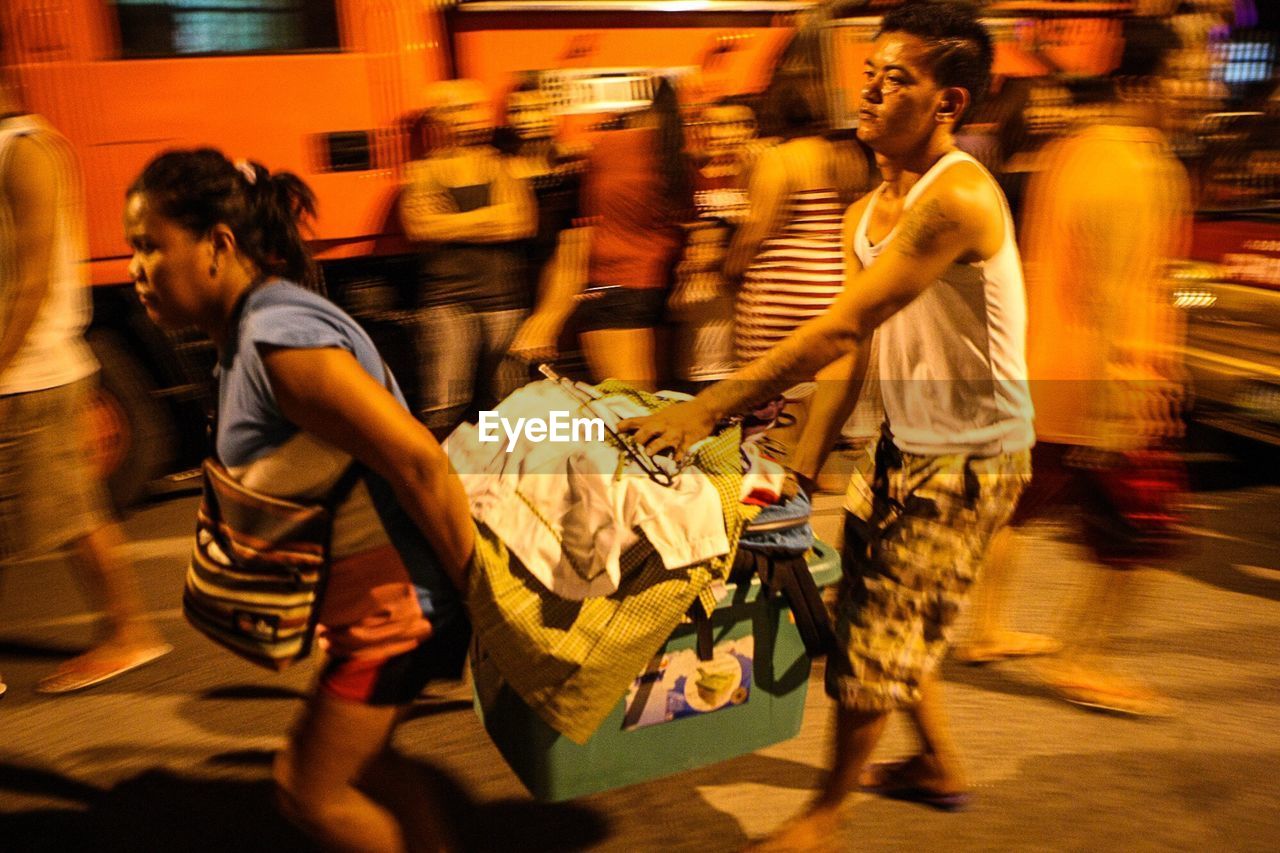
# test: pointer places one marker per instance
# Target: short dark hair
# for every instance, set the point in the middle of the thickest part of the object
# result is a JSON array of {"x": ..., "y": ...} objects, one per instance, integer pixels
[{"x": 962, "y": 52}]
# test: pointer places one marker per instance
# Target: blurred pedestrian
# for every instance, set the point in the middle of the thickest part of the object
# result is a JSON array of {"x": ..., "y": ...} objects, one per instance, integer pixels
[
  {"x": 1106, "y": 214},
  {"x": 302, "y": 391},
  {"x": 702, "y": 303},
  {"x": 786, "y": 258},
  {"x": 554, "y": 255},
  {"x": 637, "y": 191},
  {"x": 933, "y": 257},
  {"x": 52, "y": 498},
  {"x": 471, "y": 214}
]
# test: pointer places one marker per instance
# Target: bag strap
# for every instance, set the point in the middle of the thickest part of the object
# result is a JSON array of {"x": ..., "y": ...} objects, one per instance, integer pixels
[{"x": 341, "y": 489}]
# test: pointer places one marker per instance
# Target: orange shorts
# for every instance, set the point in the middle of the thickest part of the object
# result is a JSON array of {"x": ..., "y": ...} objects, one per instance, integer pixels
[{"x": 381, "y": 647}]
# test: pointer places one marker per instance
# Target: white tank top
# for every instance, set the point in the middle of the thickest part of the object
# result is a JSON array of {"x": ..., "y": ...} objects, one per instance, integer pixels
[
  {"x": 953, "y": 373},
  {"x": 54, "y": 352}
]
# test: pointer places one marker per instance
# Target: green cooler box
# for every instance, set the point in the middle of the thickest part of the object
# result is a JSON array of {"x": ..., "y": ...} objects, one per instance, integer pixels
[{"x": 681, "y": 714}]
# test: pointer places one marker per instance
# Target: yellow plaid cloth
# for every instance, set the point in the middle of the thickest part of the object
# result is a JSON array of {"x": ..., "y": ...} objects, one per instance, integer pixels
[{"x": 571, "y": 661}]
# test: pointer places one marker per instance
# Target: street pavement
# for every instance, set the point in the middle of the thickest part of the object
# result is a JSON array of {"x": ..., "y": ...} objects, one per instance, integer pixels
[{"x": 176, "y": 756}]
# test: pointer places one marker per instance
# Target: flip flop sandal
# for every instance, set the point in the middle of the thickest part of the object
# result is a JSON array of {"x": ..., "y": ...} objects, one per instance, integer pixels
[
  {"x": 72, "y": 680},
  {"x": 911, "y": 792},
  {"x": 1125, "y": 703},
  {"x": 956, "y": 802}
]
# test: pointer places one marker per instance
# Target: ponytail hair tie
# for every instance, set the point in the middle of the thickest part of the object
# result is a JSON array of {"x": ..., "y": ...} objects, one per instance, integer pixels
[{"x": 247, "y": 169}]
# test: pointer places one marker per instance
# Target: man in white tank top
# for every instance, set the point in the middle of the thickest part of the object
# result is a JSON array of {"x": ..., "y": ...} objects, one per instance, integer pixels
[
  {"x": 51, "y": 497},
  {"x": 932, "y": 262}
]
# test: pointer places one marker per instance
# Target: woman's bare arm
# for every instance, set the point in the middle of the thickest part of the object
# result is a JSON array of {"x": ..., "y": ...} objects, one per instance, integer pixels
[{"x": 327, "y": 393}]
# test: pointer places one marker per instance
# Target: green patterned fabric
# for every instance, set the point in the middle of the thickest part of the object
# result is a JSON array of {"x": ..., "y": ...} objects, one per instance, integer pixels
[{"x": 572, "y": 661}]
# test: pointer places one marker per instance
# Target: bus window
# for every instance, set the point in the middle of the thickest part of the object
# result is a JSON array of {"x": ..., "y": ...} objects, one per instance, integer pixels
[{"x": 151, "y": 29}]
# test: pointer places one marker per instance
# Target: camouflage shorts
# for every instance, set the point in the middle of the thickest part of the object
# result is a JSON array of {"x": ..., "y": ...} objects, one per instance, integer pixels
[{"x": 913, "y": 546}]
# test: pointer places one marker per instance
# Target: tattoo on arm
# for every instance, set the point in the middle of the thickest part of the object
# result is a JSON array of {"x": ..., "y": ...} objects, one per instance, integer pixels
[
  {"x": 924, "y": 227},
  {"x": 792, "y": 361}
]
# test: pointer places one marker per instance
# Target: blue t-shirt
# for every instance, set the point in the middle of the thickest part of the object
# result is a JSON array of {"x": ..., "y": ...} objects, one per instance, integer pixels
[
  {"x": 250, "y": 425},
  {"x": 279, "y": 314}
]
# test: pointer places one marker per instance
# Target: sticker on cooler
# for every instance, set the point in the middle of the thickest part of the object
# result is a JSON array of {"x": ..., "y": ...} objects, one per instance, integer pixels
[{"x": 683, "y": 686}]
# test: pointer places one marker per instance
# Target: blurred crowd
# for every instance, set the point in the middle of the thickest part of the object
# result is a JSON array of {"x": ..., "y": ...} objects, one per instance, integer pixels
[
  {"x": 668, "y": 237},
  {"x": 657, "y": 237}
]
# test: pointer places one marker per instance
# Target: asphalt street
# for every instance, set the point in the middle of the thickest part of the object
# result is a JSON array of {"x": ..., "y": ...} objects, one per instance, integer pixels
[{"x": 176, "y": 756}]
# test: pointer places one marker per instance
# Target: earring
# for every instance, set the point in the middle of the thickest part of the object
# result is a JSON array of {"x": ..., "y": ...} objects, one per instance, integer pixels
[{"x": 213, "y": 270}]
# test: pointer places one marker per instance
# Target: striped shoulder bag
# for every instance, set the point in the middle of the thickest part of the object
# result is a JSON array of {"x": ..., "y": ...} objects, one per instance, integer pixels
[{"x": 259, "y": 567}]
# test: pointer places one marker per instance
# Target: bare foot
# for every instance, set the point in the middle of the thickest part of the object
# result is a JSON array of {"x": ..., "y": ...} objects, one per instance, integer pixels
[
  {"x": 1005, "y": 644},
  {"x": 812, "y": 832}
]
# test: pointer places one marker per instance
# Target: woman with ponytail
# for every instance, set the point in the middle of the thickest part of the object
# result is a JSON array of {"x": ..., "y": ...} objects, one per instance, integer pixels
[{"x": 301, "y": 392}]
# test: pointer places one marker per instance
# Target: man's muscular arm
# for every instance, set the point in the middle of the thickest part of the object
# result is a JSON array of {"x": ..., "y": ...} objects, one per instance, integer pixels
[
  {"x": 957, "y": 218},
  {"x": 924, "y": 234},
  {"x": 839, "y": 383}
]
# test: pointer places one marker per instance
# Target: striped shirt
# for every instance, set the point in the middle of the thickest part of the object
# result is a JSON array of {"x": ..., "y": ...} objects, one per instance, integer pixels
[{"x": 796, "y": 275}]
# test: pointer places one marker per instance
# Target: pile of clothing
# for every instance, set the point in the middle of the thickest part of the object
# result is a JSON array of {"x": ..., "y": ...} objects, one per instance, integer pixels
[{"x": 586, "y": 561}]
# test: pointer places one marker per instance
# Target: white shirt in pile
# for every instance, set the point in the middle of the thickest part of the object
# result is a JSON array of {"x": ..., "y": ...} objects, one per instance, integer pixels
[{"x": 569, "y": 510}]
